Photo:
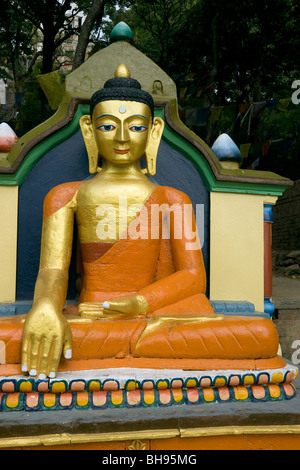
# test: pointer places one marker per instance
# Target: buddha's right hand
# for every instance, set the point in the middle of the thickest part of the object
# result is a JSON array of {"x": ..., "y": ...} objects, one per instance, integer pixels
[{"x": 46, "y": 334}]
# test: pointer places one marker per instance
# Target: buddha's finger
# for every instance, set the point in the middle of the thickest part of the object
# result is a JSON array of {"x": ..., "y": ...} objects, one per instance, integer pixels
[
  {"x": 112, "y": 313},
  {"x": 25, "y": 353},
  {"x": 44, "y": 357},
  {"x": 54, "y": 357},
  {"x": 118, "y": 306},
  {"x": 67, "y": 351},
  {"x": 34, "y": 355}
]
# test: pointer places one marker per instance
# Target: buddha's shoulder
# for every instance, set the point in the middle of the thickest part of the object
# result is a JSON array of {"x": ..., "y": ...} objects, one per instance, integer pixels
[
  {"x": 60, "y": 196},
  {"x": 174, "y": 196},
  {"x": 63, "y": 192}
]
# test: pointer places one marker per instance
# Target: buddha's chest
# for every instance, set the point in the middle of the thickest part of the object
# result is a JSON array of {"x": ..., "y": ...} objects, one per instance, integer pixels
[{"x": 105, "y": 215}]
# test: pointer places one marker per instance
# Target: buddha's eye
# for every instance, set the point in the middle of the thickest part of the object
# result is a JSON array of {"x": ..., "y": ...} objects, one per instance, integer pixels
[
  {"x": 138, "y": 128},
  {"x": 106, "y": 127}
]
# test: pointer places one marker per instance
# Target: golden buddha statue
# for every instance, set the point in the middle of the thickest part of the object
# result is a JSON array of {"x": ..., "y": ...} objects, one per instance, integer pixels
[{"x": 143, "y": 299}]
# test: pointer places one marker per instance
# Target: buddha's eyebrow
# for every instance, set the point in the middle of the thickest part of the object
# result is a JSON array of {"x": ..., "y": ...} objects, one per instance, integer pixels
[
  {"x": 139, "y": 115},
  {"x": 102, "y": 115},
  {"x": 111, "y": 115}
]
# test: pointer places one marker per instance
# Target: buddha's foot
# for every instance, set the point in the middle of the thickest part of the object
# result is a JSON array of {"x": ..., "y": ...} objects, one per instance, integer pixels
[{"x": 157, "y": 323}]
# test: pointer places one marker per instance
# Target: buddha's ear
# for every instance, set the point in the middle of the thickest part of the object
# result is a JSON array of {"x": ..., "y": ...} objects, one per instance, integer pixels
[
  {"x": 155, "y": 136},
  {"x": 90, "y": 142}
]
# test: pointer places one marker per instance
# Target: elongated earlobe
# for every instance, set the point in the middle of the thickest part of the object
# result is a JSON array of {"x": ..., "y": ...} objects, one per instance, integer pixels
[
  {"x": 153, "y": 145},
  {"x": 90, "y": 142}
]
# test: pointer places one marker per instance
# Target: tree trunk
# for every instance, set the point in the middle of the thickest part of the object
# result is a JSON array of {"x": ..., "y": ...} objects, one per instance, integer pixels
[
  {"x": 48, "y": 52},
  {"x": 95, "y": 12}
]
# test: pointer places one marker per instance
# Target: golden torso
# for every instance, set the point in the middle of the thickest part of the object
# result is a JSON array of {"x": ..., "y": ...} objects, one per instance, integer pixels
[{"x": 106, "y": 205}]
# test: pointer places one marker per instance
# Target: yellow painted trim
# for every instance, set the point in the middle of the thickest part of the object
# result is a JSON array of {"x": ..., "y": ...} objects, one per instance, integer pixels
[
  {"x": 68, "y": 439},
  {"x": 237, "y": 248},
  {"x": 270, "y": 199},
  {"x": 237, "y": 243},
  {"x": 8, "y": 242},
  {"x": 239, "y": 430},
  {"x": 71, "y": 439}
]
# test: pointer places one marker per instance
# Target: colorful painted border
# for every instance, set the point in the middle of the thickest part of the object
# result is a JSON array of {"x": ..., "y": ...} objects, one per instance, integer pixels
[
  {"x": 144, "y": 379},
  {"x": 35, "y": 401}
]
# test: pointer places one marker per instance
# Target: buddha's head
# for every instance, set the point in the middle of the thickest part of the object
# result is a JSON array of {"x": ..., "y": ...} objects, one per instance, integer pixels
[{"x": 121, "y": 128}]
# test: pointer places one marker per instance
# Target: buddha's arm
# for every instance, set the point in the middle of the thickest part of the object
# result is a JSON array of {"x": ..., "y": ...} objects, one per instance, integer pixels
[
  {"x": 184, "y": 283},
  {"x": 56, "y": 250},
  {"x": 46, "y": 331}
]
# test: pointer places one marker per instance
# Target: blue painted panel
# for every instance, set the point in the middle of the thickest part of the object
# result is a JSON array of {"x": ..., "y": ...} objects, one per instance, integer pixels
[{"x": 268, "y": 214}]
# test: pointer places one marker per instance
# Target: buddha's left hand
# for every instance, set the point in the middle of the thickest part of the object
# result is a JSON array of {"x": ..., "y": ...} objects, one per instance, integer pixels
[{"x": 131, "y": 305}]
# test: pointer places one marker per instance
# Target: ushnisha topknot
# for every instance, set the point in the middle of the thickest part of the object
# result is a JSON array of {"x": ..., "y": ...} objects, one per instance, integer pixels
[{"x": 123, "y": 88}]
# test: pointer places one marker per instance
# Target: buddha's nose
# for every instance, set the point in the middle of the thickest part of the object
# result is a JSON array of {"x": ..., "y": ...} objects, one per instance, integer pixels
[{"x": 122, "y": 134}]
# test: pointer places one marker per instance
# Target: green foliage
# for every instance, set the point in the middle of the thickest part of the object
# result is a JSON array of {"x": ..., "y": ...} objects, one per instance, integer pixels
[
  {"x": 16, "y": 42},
  {"x": 29, "y": 113},
  {"x": 277, "y": 123},
  {"x": 282, "y": 128}
]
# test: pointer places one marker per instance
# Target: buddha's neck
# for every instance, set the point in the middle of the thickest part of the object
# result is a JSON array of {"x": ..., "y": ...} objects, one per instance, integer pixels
[{"x": 126, "y": 171}]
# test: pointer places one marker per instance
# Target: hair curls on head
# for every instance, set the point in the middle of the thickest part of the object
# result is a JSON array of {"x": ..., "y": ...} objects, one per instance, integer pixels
[{"x": 122, "y": 89}]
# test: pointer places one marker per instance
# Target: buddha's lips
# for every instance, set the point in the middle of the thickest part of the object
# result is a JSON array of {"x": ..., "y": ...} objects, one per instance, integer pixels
[{"x": 121, "y": 151}]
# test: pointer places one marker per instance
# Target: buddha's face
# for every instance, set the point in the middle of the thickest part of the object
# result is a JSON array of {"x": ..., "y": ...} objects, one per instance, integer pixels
[{"x": 121, "y": 129}]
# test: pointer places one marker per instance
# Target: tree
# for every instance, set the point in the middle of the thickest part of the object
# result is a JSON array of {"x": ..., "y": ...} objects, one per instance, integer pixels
[
  {"x": 112, "y": 13},
  {"x": 94, "y": 15},
  {"x": 17, "y": 54},
  {"x": 256, "y": 46},
  {"x": 247, "y": 48},
  {"x": 51, "y": 19},
  {"x": 236, "y": 52},
  {"x": 156, "y": 25},
  {"x": 54, "y": 20},
  {"x": 16, "y": 44}
]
